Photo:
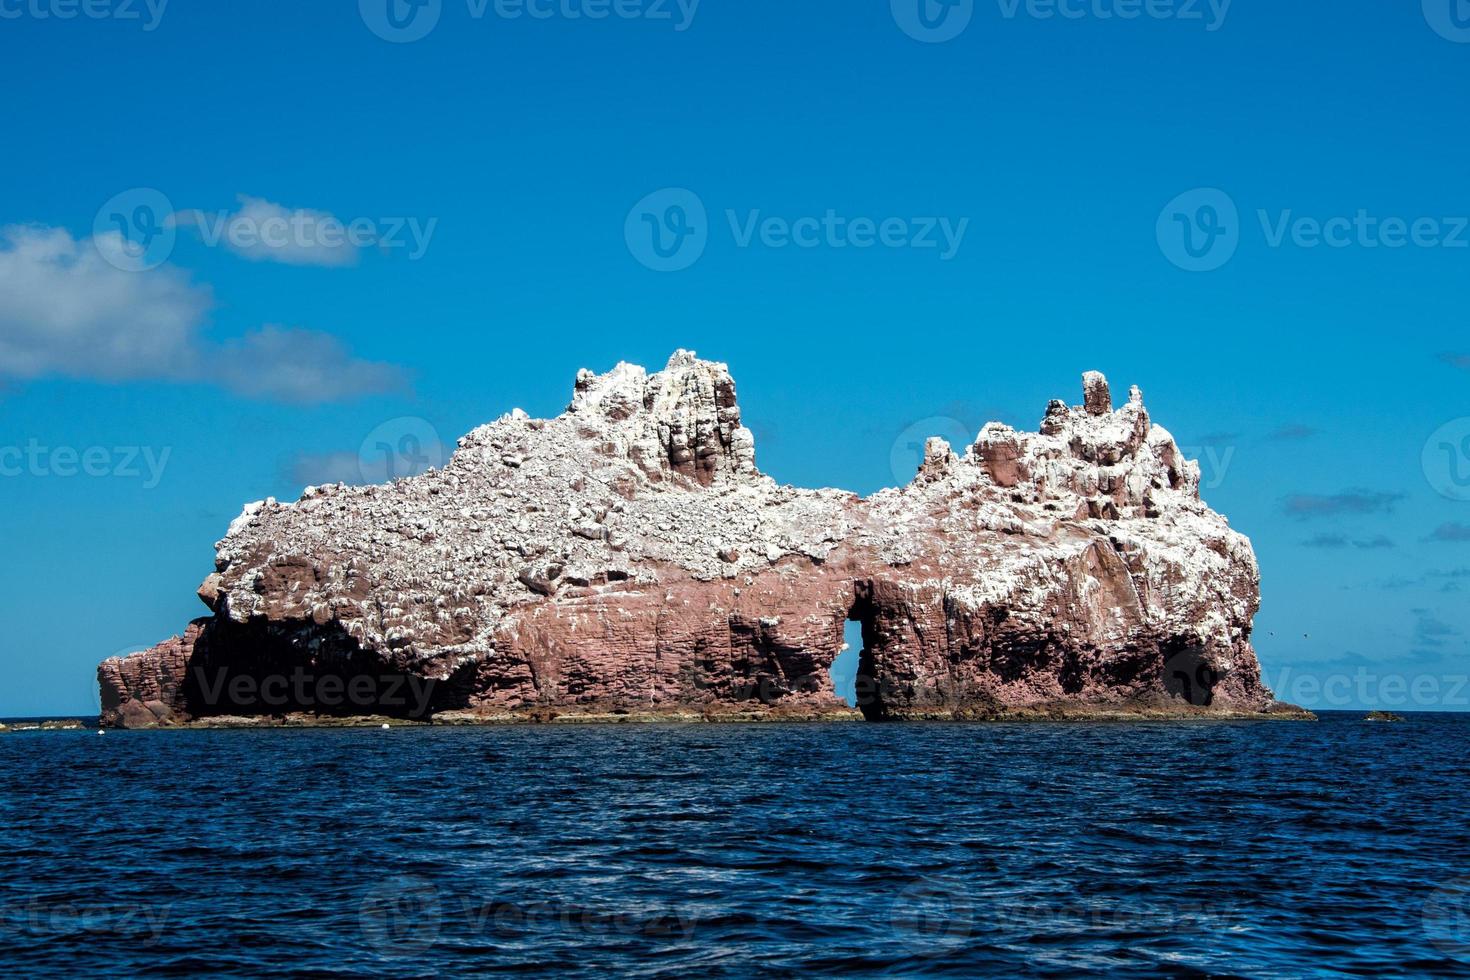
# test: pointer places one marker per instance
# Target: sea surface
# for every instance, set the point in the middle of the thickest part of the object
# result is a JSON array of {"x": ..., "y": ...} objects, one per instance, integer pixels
[{"x": 1339, "y": 848}]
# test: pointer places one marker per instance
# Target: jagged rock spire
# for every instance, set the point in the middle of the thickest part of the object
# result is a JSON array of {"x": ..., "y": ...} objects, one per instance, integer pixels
[{"x": 1097, "y": 398}]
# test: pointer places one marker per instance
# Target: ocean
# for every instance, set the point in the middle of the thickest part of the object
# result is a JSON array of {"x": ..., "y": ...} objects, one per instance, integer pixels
[{"x": 1339, "y": 848}]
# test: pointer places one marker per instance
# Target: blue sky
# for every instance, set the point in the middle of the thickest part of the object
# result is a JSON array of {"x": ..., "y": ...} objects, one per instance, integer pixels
[{"x": 493, "y": 167}]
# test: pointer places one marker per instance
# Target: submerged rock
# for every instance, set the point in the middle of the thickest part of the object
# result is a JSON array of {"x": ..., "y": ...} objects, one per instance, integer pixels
[{"x": 628, "y": 560}]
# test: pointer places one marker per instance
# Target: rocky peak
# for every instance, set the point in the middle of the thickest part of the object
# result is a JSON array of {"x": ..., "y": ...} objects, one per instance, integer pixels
[
  {"x": 1097, "y": 399},
  {"x": 681, "y": 421},
  {"x": 1115, "y": 460}
]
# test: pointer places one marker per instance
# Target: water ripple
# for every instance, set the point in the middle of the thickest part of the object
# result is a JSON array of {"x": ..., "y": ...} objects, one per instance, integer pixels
[{"x": 1331, "y": 850}]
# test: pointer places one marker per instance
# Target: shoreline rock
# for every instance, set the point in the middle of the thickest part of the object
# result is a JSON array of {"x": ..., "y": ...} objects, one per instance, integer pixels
[
  {"x": 49, "y": 725},
  {"x": 627, "y": 560},
  {"x": 1026, "y": 714},
  {"x": 1384, "y": 716}
]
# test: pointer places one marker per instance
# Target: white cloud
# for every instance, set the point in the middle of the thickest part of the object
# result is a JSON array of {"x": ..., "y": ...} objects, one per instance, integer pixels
[
  {"x": 262, "y": 231},
  {"x": 281, "y": 364},
  {"x": 65, "y": 310}
]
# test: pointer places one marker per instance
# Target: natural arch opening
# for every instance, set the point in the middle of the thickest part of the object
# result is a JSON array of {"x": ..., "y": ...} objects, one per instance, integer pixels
[
  {"x": 862, "y": 633},
  {"x": 844, "y": 669}
]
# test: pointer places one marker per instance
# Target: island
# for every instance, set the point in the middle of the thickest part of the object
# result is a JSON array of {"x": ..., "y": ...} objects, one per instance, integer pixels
[{"x": 627, "y": 561}]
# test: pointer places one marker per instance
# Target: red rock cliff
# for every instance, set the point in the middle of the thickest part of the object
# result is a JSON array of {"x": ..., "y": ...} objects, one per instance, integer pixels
[{"x": 627, "y": 557}]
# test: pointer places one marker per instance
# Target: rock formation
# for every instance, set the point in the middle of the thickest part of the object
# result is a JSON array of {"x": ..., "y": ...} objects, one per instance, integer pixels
[{"x": 627, "y": 560}]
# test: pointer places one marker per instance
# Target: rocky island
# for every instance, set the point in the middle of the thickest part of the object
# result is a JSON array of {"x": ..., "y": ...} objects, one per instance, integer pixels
[{"x": 627, "y": 560}]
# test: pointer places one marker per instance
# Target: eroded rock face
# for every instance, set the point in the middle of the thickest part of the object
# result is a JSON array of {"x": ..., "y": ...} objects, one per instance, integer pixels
[{"x": 627, "y": 558}]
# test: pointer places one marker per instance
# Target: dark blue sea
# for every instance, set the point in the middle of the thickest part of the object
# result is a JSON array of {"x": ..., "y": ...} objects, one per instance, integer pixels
[{"x": 1339, "y": 848}]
